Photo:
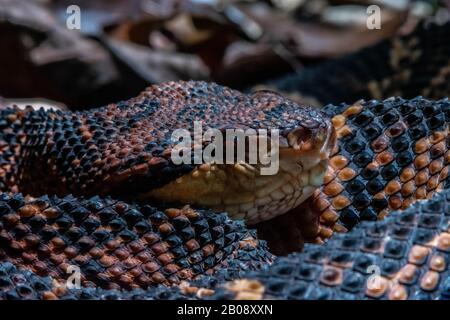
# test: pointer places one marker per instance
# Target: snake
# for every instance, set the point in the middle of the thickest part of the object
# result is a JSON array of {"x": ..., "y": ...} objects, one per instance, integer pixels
[{"x": 99, "y": 190}]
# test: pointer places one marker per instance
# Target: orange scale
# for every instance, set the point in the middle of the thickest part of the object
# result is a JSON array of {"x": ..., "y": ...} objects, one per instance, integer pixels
[
  {"x": 398, "y": 292},
  {"x": 408, "y": 188},
  {"x": 437, "y": 150},
  {"x": 40, "y": 267},
  {"x": 352, "y": 110},
  {"x": 376, "y": 286},
  {"x": 131, "y": 262},
  {"x": 436, "y": 137},
  {"x": 185, "y": 274},
  {"x": 340, "y": 202},
  {"x": 443, "y": 242},
  {"x": 429, "y": 281},
  {"x": 392, "y": 187},
  {"x": 437, "y": 263},
  {"x": 338, "y": 162},
  {"x": 107, "y": 261},
  {"x": 435, "y": 166},
  {"x": 338, "y": 121},
  {"x": 330, "y": 175},
  {"x": 444, "y": 174},
  {"x": 395, "y": 202},
  {"x": 159, "y": 248},
  {"x": 325, "y": 232},
  {"x": 329, "y": 217},
  {"x": 121, "y": 254},
  {"x": 171, "y": 268},
  {"x": 135, "y": 272},
  {"x": 28, "y": 257},
  {"x": 384, "y": 158},
  {"x": 321, "y": 203},
  {"x": 380, "y": 144},
  {"x": 384, "y": 213},
  {"x": 333, "y": 189},
  {"x": 150, "y": 267},
  {"x": 344, "y": 131},
  {"x": 71, "y": 252},
  {"x": 408, "y": 274},
  {"x": 422, "y": 161},
  {"x": 421, "y": 193},
  {"x": 143, "y": 280},
  {"x": 346, "y": 174},
  {"x": 422, "y": 177},
  {"x": 433, "y": 183},
  {"x": 421, "y": 146}
]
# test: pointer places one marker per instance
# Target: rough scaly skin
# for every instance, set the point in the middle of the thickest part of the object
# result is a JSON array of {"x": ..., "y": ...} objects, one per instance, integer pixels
[
  {"x": 117, "y": 159},
  {"x": 103, "y": 151},
  {"x": 389, "y": 154},
  {"x": 405, "y": 256},
  {"x": 118, "y": 245},
  {"x": 125, "y": 150}
]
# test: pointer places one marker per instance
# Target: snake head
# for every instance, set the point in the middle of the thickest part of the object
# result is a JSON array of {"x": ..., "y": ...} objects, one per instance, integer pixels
[
  {"x": 298, "y": 142},
  {"x": 274, "y": 159}
]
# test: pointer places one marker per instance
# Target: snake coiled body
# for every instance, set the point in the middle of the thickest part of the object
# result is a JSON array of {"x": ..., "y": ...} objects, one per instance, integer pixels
[{"x": 99, "y": 190}]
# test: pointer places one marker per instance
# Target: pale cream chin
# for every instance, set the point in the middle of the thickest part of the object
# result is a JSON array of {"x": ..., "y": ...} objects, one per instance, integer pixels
[
  {"x": 288, "y": 190},
  {"x": 243, "y": 193}
]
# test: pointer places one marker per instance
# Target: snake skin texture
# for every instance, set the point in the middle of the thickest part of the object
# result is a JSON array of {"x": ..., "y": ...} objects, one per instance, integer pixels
[
  {"x": 117, "y": 245},
  {"x": 120, "y": 241},
  {"x": 389, "y": 154},
  {"x": 125, "y": 149},
  {"x": 406, "y": 66},
  {"x": 405, "y": 256}
]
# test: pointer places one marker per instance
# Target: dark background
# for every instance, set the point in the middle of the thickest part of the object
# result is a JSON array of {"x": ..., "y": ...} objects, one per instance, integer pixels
[{"x": 125, "y": 45}]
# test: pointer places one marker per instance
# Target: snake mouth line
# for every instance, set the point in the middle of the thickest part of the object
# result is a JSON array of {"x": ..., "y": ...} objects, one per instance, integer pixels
[{"x": 241, "y": 191}]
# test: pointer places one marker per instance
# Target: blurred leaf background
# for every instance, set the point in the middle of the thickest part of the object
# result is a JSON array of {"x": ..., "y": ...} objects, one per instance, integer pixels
[{"x": 125, "y": 45}]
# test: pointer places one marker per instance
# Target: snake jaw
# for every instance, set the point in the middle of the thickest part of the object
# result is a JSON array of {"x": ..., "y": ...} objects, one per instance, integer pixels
[{"x": 242, "y": 190}]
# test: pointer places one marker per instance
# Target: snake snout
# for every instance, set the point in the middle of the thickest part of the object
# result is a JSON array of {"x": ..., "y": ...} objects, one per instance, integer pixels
[
  {"x": 310, "y": 145},
  {"x": 300, "y": 139}
]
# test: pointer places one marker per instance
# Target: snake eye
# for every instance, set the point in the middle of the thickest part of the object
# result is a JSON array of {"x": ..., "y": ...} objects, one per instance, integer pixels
[{"x": 300, "y": 138}]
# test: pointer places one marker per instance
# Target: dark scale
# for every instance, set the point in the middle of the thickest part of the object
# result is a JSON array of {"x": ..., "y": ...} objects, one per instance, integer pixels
[
  {"x": 361, "y": 201},
  {"x": 390, "y": 172},
  {"x": 362, "y": 159},
  {"x": 353, "y": 282},
  {"x": 81, "y": 230},
  {"x": 372, "y": 131},
  {"x": 107, "y": 141},
  {"x": 400, "y": 143},
  {"x": 390, "y": 267},
  {"x": 349, "y": 217},
  {"x": 398, "y": 123},
  {"x": 363, "y": 119},
  {"x": 375, "y": 185},
  {"x": 355, "y": 146},
  {"x": 379, "y": 252}
]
